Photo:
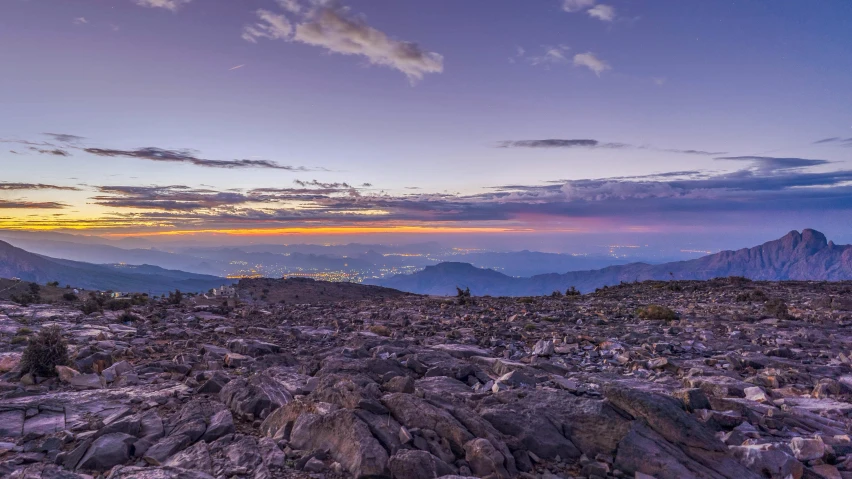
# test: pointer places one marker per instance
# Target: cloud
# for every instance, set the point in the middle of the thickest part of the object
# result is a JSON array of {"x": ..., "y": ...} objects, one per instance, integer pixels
[
  {"x": 172, "y": 5},
  {"x": 4, "y": 186},
  {"x": 571, "y": 6},
  {"x": 186, "y": 156},
  {"x": 65, "y": 137},
  {"x": 835, "y": 141},
  {"x": 589, "y": 143},
  {"x": 167, "y": 198},
  {"x": 552, "y": 55},
  {"x": 590, "y": 61},
  {"x": 55, "y": 151},
  {"x": 30, "y": 205},
  {"x": 330, "y": 25},
  {"x": 770, "y": 163},
  {"x": 80, "y": 21},
  {"x": 602, "y": 12},
  {"x": 271, "y": 26}
]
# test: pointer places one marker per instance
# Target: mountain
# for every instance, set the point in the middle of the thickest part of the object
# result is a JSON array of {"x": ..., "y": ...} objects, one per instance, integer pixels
[
  {"x": 18, "y": 263},
  {"x": 796, "y": 256}
]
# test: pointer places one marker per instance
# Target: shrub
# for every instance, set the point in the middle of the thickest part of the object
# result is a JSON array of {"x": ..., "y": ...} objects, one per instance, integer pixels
[
  {"x": 526, "y": 300},
  {"x": 572, "y": 291},
  {"x": 778, "y": 308},
  {"x": 55, "y": 284},
  {"x": 128, "y": 317},
  {"x": 19, "y": 339},
  {"x": 657, "y": 312},
  {"x": 176, "y": 297},
  {"x": 25, "y": 299},
  {"x": 529, "y": 327},
  {"x": 44, "y": 352},
  {"x": 90, "y": 306},
  {"x": 70, "y": 297},
  {"x": 556, "y": 294},
  {"x": 380, "y": 329},
  {"x": 24, "y": 331}
]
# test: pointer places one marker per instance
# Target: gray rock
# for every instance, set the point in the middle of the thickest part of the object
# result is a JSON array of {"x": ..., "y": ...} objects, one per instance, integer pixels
[
  {"x": 346, "y": 437},
  {"x": 107, "y": 451},
  {"x": 408, "y": 464}
]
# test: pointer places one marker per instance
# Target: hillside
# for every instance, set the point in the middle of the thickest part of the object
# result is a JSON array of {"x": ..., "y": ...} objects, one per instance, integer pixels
[
  {"x": 18, "y": 263},
  {"x": 306, "y": 290},
  {"x": 800, "y": 256}
]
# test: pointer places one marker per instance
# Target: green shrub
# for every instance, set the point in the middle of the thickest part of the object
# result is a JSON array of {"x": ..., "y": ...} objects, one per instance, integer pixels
[
  {"x": 657, "y": 312},
  {"x": 572, "y": 291},
  {"x": 19, "y": 339},
  {"x": 70, "y": 297},
  {"x": 44, "y": 352},
  {"x": 529, "y": 327}
]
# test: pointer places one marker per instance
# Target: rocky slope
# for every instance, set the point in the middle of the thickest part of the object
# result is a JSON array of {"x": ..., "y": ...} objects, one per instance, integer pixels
[
  {"x": 796, "y": 256},
  {"x": 737, "y": 380},
  {"x": 18, "y": 263}
]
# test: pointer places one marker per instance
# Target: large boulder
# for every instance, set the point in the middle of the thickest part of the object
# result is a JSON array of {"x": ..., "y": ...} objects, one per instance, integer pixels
[
  {"x": 255, "y": 397},
  {"x": 346, "y": 437},
  {"x": 410, "y": 464}
]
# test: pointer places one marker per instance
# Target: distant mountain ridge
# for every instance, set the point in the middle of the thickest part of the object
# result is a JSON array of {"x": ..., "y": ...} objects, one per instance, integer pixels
[
  {"x": 796, "y": 256},
  {"x": 18, "y": 263}
]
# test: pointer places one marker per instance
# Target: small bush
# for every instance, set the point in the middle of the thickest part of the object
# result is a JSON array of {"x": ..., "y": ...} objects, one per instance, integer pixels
[
  {"x": 572, "y": 291},
  {"x": 44, "y": 352},
  {"x": 19, "y": 339},
  {"x": 529, "y": 327},
  {"x": 556, "y": 294},
  {"x": 380, "y": 329},
  {"x": 778, "y": 308},
  {"x": 55, "y": 284},
  {"x": 24, "y": 331},
  {"x": 90, "y": 306},
  {"x": 70, "y": 297},
  {"x": 657, "y": 312},
  {"x": 128, "y": 317},
  {"x": 526, "y": 300}
]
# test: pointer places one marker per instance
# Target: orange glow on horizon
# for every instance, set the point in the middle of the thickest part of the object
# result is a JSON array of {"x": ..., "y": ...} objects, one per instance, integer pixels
[{"x": 331, "y": 230}]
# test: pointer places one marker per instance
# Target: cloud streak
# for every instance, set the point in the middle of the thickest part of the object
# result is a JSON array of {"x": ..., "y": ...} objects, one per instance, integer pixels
[
  {"x": 187, "y": 156},
  {"x": 765, "y": 184},
  {"x": 593, "y": 144},
  {"x": 5, "y": 186},
  {"x": 592, "y": 62},
  {"x": 172, "y": 5},
  {"x": 332, "y": 26}
]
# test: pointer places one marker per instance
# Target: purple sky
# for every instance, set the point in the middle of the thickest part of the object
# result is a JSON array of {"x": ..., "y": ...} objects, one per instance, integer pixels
[{"x": 577, "y": 116}]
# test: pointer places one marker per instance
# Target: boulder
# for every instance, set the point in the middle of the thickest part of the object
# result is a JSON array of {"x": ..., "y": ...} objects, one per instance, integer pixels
[{"x": 108, "y": 451}]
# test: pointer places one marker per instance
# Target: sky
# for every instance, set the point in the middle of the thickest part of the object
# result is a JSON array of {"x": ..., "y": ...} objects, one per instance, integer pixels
[{"x": 346, "y": 119}]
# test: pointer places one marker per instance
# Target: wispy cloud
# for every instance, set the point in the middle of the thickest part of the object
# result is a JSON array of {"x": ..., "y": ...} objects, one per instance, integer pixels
[
  {"x": 332, "y": 26},
  {"x": 837, "y": 141},
  {"x": 604, "y": 13},
  {"x": 65, "y": 137},
  {"x": 552, "y": 55},
  {"x": 571, "y": 6},
  {"x": 80, "y": 21},
  {"x": 54, "y": 151},
  {"x": 30, "y": 205},
  {"x": 589, "y": 143},
  {"x": 188, "y": 156},
  {"x": 590, "y": 61},
  {"x": 236, "y": 67},
  {"x": 5, "y": 186},
  {"x": 172, "y": 5}
]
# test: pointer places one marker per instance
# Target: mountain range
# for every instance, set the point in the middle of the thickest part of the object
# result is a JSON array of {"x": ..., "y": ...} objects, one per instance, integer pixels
[
  {"x": 796, "y": 256},
  {"x": 18, "y": 263}
]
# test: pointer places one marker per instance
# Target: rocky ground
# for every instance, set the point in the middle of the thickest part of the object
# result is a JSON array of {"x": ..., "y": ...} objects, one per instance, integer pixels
[{"x": 718, "y": 379}]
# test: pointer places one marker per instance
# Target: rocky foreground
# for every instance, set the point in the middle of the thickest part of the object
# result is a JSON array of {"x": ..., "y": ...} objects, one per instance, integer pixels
[{"x": 736, "y": 379}]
